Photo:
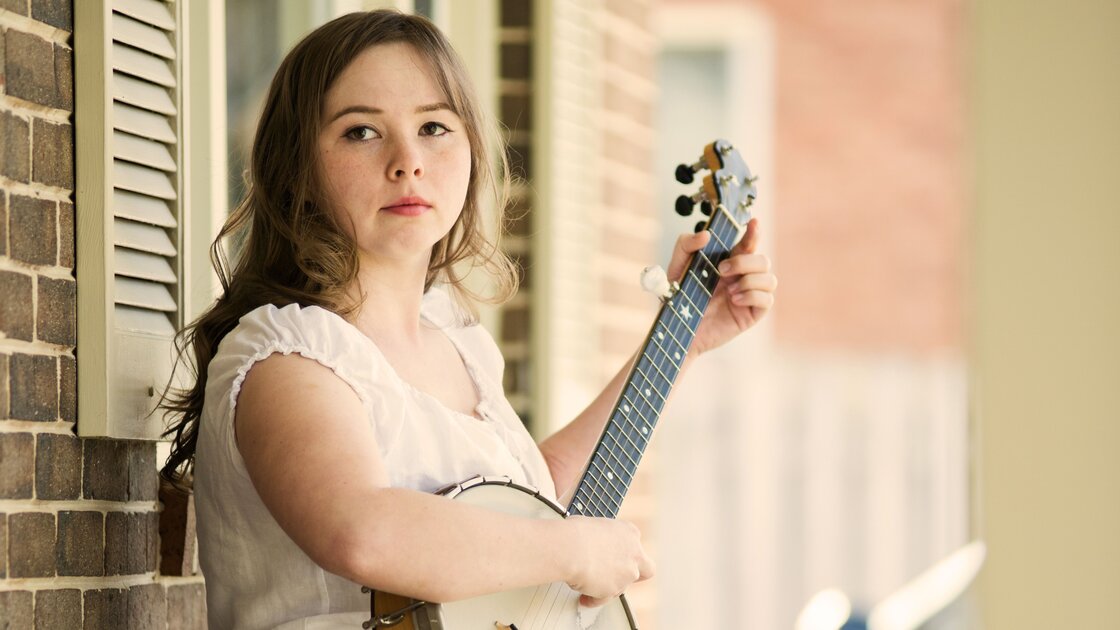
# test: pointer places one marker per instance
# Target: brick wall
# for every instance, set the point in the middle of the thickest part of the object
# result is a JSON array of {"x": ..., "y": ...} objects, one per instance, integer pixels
[
  {"x": 515, "y": 109},
  {"x": 79, "y": 518}
]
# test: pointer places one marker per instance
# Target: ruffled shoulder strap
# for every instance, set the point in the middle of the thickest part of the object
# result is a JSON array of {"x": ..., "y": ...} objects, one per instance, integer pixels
[{"x": 312, "y": 332}]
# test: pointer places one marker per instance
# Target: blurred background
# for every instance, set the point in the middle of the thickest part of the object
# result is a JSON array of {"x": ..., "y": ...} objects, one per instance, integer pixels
[{"x": 936, "y": 193}]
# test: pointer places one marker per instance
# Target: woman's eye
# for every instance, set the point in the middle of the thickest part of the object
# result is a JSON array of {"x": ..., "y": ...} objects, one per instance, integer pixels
[
  {"x": 434, "y": 129},
  {"x": 361, "y": 133}
]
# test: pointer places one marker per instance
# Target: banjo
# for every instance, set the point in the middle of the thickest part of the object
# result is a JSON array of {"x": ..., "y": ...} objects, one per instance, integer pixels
[{"x": 725, "y": 199}]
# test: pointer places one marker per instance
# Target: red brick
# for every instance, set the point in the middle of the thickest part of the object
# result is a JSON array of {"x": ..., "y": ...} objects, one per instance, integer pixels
[
  {"x": 66, "y": 242},
  {"x": 4, "y": 383},
  {"x": 15, "y": 150},
  {"x": 3, "y": 546},
  {"x": 517, "y": 112},
  {"x": 68, "y": 389},
  {"x": 143, "y": 477},
  {"x": 31, "y": 537},
  {"x": 64, "y": 76},
  {"x": 131, "y": 542},
  {"x": 32, "y": 230},
  {"x": 17, "y": 307},
  {"x": 22, "y": 7},
  {"x": 34, "y": 387},
  {"x": 174, "y": 523},
  {"x": 519, "y": 216},
  {"x": 15, "y": 609},
  {"x": 58, "y": 467},
  {"x": 3, "y": 223},
  {"x": 17, "y": 467},
  {"x": 147, "y": 606},
  {"x": 515, "y": 324},
  {"x": 520, "y": 164},
  {"x": 81, "y": 543},
  {"x": 106, "y": 608},
  {"x": 186, "y": 607},
  {"x": 56, "y": 312},
  {"x": 29, "y": 68},
  {"x": 515, "y": 61},
  {"x": 52, "y": 154},
  {"x": 105, "y": 470},
  {"x": 516, "y": 13},
  {"x": 58, "y": 609},
  {"x": 57, "y": 13}
]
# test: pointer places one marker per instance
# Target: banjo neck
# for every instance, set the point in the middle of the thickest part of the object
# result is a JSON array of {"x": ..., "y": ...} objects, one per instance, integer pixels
[{"x": 630, "y": 425}]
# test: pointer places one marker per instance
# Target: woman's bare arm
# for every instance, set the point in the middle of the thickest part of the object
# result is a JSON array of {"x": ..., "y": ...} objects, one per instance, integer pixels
[{"x": 314, "y": 461}]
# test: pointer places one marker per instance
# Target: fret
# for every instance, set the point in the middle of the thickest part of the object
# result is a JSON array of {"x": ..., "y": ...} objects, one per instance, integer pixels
[
  {"x": 606, "y": 497},
  {"x": 667, "y": 380},
  {"x": 693, "y": 306},
  {"x": 637, "y": 449},
  {"x": 648, "y": 391},
  {"x": 599, "y": 494},
  {"x": 673, "y": 337},
  {"x": 700, "y": 282}
]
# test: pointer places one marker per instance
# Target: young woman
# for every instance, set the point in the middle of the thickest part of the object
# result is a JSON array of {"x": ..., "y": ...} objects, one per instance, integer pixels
[{"x": 340, "y": 380}]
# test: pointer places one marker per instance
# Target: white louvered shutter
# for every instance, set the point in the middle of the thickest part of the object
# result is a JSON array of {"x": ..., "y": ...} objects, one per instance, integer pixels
[
  {"x": 144, "y": 179},
  {"x": 130, "y": 265}
]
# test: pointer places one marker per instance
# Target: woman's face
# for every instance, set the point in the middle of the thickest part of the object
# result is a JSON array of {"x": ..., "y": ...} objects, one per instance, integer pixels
[{"x": 395, "y": 159}]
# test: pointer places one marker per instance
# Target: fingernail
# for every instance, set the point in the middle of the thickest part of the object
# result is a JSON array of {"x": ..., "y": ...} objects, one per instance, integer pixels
[{"x": 724, "y": 267}]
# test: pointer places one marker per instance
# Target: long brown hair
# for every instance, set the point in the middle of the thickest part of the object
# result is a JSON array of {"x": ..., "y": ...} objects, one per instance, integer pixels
[{"x": 289, "y": 249}]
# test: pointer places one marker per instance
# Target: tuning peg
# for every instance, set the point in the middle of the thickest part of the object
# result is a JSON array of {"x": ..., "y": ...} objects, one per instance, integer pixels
[
  {"x": 685, "y": 171},
  {"x": 700, "y": 225},
  {"x": 684, "y": 205},
  {"x": 706, "y": 208},
  {"x": 684, "y": 174}
]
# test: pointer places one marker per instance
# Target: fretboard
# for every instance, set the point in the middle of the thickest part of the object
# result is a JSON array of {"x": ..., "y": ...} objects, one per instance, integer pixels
[{"x": 630, "y": 425}]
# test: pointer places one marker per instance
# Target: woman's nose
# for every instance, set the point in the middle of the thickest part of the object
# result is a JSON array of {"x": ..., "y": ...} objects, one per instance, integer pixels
[{"x": 405, "y": 161}]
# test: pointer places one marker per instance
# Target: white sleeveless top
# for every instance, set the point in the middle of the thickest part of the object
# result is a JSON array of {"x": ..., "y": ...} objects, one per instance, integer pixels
[{"x": 256, "y": 577}]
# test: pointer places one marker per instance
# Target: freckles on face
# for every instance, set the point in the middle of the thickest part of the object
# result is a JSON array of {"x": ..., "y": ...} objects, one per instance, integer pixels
[{"x": 394, "y": 157}]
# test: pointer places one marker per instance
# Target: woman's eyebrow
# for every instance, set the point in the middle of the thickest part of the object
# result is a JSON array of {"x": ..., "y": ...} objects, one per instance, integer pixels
[{"x": 366, "y": 109}]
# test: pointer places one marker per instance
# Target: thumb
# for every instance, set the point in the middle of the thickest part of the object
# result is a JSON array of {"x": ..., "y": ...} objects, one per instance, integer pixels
[{"x": 687, "y": 244}]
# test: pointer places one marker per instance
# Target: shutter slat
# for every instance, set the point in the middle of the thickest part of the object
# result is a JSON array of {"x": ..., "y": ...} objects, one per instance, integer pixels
[
  {"x": 143, "y": 294},
  {"x": 129, "y": 205},
  {"x": 128, "y": 176},
  {"x": 146, "y": 238},
  {"x": 134, "y": 264},
  {"x": 150, "y": 96},
  {"x": 143, "y": 151},
  {"x": 154, "y": 322},
  {"x": 142, "y": 65},
  {"x": 150, "y": 11},
  {"x": 139, "y": 35},
  {"x": 142, "y": 123}
]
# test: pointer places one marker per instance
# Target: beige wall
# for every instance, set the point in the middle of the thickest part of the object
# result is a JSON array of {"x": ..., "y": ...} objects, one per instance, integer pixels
[{"x": 1046, "y": 100}]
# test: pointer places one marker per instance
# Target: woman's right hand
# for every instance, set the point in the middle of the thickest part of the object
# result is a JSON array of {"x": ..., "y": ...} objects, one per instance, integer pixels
[{"x": 608, "y": 557}]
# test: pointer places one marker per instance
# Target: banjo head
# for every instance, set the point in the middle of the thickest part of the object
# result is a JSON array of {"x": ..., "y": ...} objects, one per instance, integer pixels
[{"x": 546, "y": 606}]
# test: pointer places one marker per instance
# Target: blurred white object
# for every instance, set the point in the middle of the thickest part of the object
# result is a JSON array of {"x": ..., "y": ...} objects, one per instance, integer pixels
[
  {"x": 933, "y": 590},
  {"x": 827, "y": 610},
  {"x": 905, "y": 609}
]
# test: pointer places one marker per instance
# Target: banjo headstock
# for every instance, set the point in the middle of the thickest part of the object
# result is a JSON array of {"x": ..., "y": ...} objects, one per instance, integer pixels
[{"x": 729, "y": 187}]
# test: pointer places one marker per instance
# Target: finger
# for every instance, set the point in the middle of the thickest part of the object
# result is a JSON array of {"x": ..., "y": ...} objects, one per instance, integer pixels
[
  {"x": 687, "y": 244},
  {"x": 754, "y": 281},
  {"x": 755, "y": 299},
  {"x": 749, "y": 242},
  {"x": 593, "y": 602},
  {"x": 745, "y": 263},
  {"x": 646, "y": 569}
]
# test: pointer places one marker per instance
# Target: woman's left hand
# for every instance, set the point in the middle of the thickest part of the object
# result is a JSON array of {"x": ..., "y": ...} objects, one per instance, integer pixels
[{"x": 743, "y": 296}]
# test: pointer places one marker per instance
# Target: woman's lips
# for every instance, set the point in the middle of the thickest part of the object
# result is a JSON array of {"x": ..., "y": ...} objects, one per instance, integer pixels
[{"x": 408, "y": 206}]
